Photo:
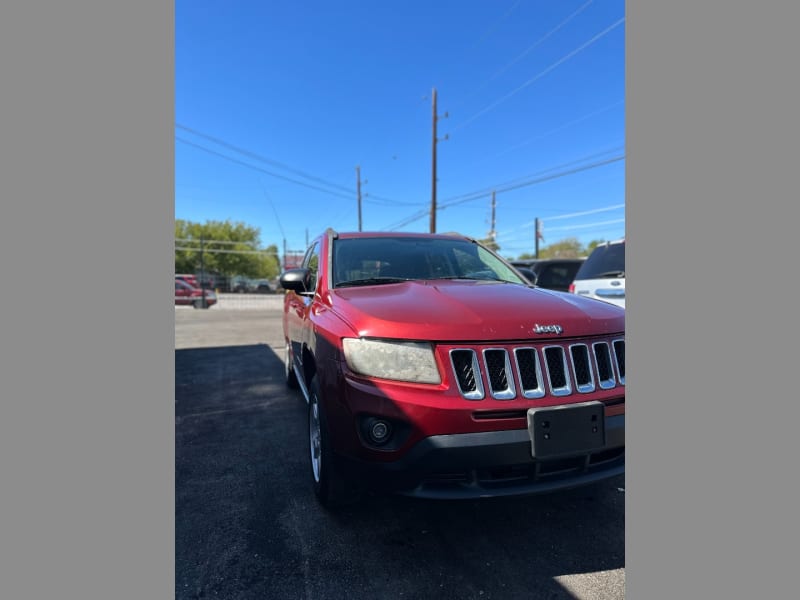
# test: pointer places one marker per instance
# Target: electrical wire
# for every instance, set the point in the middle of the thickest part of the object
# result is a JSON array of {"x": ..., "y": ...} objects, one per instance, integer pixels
[
  {"x": 487, "y": 190},
  {"x": 495, "y": 25},
  {"x": 552, "y": 67},
  {"x": 419, "y": 215},
  {"x": 249, "y": 166},
  {"x": 538, "y": 43},
  {"x": 559, "y": 128},
  {"x": 509, "y": 188},
  {"x": 270, "y": 161}
]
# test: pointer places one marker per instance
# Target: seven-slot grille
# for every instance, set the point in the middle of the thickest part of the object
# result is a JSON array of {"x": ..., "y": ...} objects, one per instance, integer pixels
[{"x": 557, "y": 369}]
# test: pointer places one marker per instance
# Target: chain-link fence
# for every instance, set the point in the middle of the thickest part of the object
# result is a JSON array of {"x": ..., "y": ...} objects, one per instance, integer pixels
[{"x": 229, "y": 274}]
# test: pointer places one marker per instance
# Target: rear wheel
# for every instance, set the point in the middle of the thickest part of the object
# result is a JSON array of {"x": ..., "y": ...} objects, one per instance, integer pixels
[{"x": 329, "y": 487}]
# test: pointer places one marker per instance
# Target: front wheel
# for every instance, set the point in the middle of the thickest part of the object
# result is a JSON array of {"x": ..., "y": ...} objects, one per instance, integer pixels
[{"x": 329, "y": 487}]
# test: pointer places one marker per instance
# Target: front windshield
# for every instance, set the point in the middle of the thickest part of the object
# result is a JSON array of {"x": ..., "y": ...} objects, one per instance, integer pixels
[{"x": 376, "y": 260}]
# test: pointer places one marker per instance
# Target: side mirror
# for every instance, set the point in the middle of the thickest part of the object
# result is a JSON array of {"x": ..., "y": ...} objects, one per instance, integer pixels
[{"x": 296, "y": 280}]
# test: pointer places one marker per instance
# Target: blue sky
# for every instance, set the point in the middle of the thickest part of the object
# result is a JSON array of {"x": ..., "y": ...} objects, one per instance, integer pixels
[{"x": 276, "y": 103}]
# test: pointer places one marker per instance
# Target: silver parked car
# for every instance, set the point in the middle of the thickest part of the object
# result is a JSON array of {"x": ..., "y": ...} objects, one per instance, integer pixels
[{"x": 602, "y": 276}]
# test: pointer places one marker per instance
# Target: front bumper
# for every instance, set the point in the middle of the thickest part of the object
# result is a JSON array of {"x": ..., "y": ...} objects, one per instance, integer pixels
[{"x": 488, "y": 464}]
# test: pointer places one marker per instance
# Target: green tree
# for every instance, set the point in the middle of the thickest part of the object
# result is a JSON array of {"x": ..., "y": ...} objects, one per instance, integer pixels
[
  {"x": 490, "y": 243},
  {"x": 228, "y": 249},
  {"x": 566, "y": 248},
  {"x": 593, "y": 244}
]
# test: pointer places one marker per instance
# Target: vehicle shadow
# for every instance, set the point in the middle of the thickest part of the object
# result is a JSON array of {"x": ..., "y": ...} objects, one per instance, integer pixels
[{"x": 248, "y": 526}]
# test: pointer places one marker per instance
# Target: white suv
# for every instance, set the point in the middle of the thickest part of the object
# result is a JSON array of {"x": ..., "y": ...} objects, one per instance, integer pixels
[{"x": 602, "y": 276}]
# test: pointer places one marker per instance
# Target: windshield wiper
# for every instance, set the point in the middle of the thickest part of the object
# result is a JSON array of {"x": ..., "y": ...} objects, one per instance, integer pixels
[
  {"x": 475, "y": 278},
  {"x": 471, "y": 277},
  {"x": 620, "y": 274},
  {"x": 372, "y": 281}
]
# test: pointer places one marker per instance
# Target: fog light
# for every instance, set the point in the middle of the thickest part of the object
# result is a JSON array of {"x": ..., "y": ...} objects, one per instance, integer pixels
[{"x": 379, "y": 431}]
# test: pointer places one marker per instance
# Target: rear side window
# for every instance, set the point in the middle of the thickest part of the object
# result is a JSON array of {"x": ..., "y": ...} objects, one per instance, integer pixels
[{"x": 604, "y": 261}]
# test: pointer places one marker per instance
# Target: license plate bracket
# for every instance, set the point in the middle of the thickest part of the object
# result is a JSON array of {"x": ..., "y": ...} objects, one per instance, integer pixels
[{"x": 566, "y": 430}]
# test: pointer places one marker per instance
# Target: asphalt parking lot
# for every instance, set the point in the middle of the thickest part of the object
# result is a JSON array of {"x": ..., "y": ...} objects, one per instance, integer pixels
[{"x": 247, "y": 524}]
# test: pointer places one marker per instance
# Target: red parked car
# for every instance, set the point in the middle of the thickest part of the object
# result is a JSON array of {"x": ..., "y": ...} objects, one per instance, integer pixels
[
  {"x": 190, "y": 279},
  {"x": 189, "y": 295},
  {"x": 433, "y": 369}
]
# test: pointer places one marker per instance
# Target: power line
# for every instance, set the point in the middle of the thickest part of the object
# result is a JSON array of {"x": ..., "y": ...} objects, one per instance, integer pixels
[
  {"x": 559, "y": 128},
  {"x": 541, "y": 74},
  {"x": 207, "y": 241},
  {"x": 270, "y": 161},
  {"x": 442, "y": 206},
  {"x": 585, "y": 226},
  {"x": 249, "y": 166},
  {"x": 549, "y": 177},
  {"x": 408, "y": 220},
  {"x": 487, "y": 190},
  {"x": 277, "y": 218},
  {"x": 571, "y": 215},
  {"x": 495, "y": 24},
  {"x": 369, "y": 199},
  {"x": 382, "y": 201},
  {"x": 586, "y": 212},
  {"x": 538, "y": 43},
  {"x": 600, "y": 225},
  {"x": 220, "y": 251}
]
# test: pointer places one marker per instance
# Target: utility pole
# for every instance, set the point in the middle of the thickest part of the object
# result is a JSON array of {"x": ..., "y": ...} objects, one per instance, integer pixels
[
  {"x": 536, "y": 236},
  {"x": 202, "y": 277},
  {"x": 433, "y": 178},
  {"x": 492, "y": 232},
  {"x": 358, "y": 191}
]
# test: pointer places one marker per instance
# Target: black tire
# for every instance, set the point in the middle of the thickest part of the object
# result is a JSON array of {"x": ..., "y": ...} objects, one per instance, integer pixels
[
  {"x": 291, "y": 378},
  {"x": 197, "y": 304},
  {"x": 330, "y": 488}
]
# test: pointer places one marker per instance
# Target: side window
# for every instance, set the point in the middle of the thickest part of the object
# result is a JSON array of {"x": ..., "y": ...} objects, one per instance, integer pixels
[{"x": 311, "y": 262}]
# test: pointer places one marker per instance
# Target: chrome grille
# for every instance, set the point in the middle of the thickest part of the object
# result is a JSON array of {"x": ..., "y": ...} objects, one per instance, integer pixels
[{"x": 558, "y": 370}]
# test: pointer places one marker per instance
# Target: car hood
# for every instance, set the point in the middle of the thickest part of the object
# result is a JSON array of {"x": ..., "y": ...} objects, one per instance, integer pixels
[{"x": 470, "y": 311}]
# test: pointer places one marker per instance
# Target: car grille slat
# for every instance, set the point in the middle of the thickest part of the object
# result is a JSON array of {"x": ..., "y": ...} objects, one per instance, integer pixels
[
  {"x": 557, "y": 371},
  {"x": 554, "y": 369},
  {"x": 619, "y": 355},
  {"x": 605, "y": 373},
  {"x": 498, "y": 370},
  {"x": 582, "y": 367},
  {"x": 468, "y": 377},
  {"x": 529, "y": 370}
]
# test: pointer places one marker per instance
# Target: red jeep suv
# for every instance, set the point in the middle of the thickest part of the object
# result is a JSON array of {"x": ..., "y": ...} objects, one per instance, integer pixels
[{"x": 431, "y": 368}]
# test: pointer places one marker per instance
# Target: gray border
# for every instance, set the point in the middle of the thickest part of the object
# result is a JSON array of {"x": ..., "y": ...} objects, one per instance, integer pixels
[
  {"x": 87, "y": 412},
  {"x": 712, "y": 130},
  {"x": 86, "y": 432}
]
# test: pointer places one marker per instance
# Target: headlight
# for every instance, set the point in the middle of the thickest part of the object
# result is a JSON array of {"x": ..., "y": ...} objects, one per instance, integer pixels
[{"x": 402, "y": 361}]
